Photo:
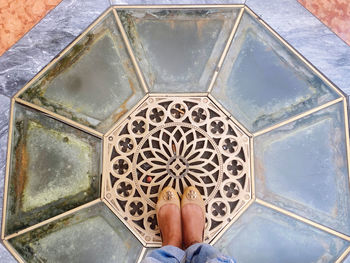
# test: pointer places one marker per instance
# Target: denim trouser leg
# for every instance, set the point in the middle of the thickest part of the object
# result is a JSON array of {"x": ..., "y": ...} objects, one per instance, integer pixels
[
  {"x": 165, "y": 254},
  {"x": 197, "y": 253},
  {"x": 200, "y": 253}
]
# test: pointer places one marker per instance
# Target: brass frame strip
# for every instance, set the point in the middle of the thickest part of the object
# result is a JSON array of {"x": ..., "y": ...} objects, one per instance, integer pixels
[
  {"x": 61, "y": 118},
  {"x": 7, "y": 172},
  {"x": 125, "y": 116},
  {"x": 299, "y": 116},
  {"x": 240, "y": 125},
  {"x": 347, "y": 139},
  {"x": 343, "y": 256},
  {"x": 237, "y": 216},
  {"x": 174, "y": 6},
  {"x": 301, "y": 57},
  {"x": 47, "y": 221},
  {"x": 123, "y": 221},
  {"x": 225, "y": 51},
  {"x": 252, "y": 175},
  {"x": 144, "y": 85},
  {"x": 13, "y": 251},
  {"x": 188, "y": 94},
  {"x": 130, "y": 51},
  {"x": 105, "y": 142},
  {"x": 63, "y": 52},
  {"x": 303, "y": 219},
  {"x": 142, "y": 254}
]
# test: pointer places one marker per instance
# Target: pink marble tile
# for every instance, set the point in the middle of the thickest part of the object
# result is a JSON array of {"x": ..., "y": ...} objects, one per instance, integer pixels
[
  {"x": 17, "y": 17},
  {"x": 333, "y": 13}
]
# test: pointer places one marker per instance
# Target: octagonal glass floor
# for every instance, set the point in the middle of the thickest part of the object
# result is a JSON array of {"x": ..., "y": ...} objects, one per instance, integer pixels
[{"x": 148, "y": 97}]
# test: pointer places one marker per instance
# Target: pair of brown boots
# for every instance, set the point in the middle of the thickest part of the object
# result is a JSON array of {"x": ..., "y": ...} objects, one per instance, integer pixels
[{"x": 181, "y": 223}]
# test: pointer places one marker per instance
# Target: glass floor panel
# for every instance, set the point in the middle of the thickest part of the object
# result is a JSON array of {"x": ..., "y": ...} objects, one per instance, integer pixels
[
  {"x": 149, "y": 97},
  {"x": 264, "y": 235},
  {"x": 262, "y": 82},
  {"x": 312, "y": 183},
  {"x": 91, "y": 235},
  {"x": 178, "y": 49},
  {"x": 94, "y": 83},
  {"x": 54, "y": 168}
]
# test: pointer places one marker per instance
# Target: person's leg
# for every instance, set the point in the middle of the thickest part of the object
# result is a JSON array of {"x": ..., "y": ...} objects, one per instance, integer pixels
[
  {"x": 168, "y": 254},
  {"x": 169, "y": 221},
  {"x": 193, "y": 222},
  {"x": 200, "y": 252}
]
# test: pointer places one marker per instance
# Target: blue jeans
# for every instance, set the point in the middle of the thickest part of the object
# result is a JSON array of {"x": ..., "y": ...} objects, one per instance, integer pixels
[{"x": 197, "y": 253}]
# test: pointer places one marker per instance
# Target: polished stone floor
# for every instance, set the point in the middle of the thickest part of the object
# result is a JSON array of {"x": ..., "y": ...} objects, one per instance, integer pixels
[{"x": 316, "y": 107}]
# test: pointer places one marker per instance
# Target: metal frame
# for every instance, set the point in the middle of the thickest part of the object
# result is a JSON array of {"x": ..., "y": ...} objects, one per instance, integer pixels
[
  {"x": 343, "y": 256},
  {"x": 203, "y": 102},
  {"x": 142, "y": 254},
  {"x": 302, "y": 219},
  {"x": 61, "y": 118},
  {"x": 299, "y": 116},
  {"x": 8, "y": 161},
  {"x": 141, "y": 79},
  {"x": 47, "y": 221},
  {"x": 227, "y": 46},
  {"x": 129, "y": 48}
]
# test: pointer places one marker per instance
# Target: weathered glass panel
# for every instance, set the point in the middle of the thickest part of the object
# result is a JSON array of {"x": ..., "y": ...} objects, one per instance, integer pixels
[
  {"x": 262, "y": 82},
  {"x": 177, "y": 49},
  {"x": 54, "y": 168},
  {"x": 264, "y": 235},
  {"x": 94, "y": 83},
  {"x": 302, "y": 167},
  {"x": 91, "y": 235}
]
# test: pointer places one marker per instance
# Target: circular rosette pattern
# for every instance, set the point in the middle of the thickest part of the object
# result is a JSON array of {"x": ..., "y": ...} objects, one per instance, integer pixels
[{"x": 177, "y": 142}]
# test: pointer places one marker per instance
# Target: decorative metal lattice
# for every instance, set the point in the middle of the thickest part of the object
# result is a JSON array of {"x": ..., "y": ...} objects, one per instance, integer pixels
[{"x": 177, "y": 142}]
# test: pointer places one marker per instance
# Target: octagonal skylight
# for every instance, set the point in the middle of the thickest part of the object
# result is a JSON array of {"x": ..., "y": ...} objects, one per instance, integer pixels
[{"x": 151, "y": 96}]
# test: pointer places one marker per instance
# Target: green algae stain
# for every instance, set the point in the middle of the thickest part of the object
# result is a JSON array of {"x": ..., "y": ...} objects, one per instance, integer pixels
[
  {"x": 54, "y": 168},
  {"x": 60, "y": 162}
]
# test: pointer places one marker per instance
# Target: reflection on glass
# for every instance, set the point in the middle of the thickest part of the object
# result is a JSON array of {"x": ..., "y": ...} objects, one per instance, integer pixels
[
  {"x": 262, "y": 82},
  {"x": 94, "y": 83},
  {"x": 302, "y": 167},
  {"x": 54, "y": 168},
  {"x": 264, "y": 235},
  {"x": 178, "y": 49},
  {"x": 91, "y": 235}
]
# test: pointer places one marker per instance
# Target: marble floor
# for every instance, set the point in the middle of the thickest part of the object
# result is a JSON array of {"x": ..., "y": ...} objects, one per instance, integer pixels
[
  {"x": 274, "y": 127},
  {"x": 18, "y": 17}
]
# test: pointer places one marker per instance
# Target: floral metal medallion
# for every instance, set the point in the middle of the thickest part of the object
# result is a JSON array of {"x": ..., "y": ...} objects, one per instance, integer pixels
[{"x": 178, "y": 142}]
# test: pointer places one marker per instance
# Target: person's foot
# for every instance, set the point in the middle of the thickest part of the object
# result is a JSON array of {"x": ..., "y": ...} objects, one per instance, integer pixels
[
  {"x": 169, "y": 217},
  {"x": 193, "y": 216}
]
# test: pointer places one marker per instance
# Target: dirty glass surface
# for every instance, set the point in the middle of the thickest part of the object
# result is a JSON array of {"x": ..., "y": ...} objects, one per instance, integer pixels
[
  {"x": 91, "y": 235},
  {"x": 94, "y": 83},
  {"x": 302, "y": 167},
  {"x": 264, "y": 235},
  {"x": 262, "y": 82},
  {"x": 178, "y": 49},
  {"x": 54, "y": 168}
]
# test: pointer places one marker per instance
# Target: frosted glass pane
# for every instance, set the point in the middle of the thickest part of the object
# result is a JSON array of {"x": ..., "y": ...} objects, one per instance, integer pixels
[
  {"x": 302, "y": 167},
  {"x": 54, "y": 168},
  {"x": 262, "y": 83},
  {"x": 263, "y": 235},
  {"x": 178, "y": 49},
  {"x": 94, "y": 83},
  {"x": 88, "y": 236}
]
